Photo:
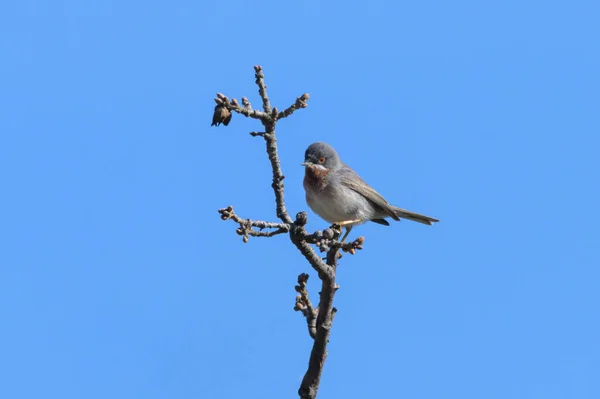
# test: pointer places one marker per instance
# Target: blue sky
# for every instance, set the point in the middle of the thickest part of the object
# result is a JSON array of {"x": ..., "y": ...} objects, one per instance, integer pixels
[{"x": 119, "y": 280}]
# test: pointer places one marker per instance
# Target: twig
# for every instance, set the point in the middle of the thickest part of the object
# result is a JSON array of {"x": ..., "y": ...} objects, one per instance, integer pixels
[
  {"x": 300, "y": 103},
  {"x": 233, "y": 105},
  {"x": 304, "y": 305},
  {"x": 262, "y": 88},
  {"x": 277, "y": 185},
  {"x": 246, "y": 225},
  {"x": 326, "y": 240},
  {"x": 255, "y": 134}
]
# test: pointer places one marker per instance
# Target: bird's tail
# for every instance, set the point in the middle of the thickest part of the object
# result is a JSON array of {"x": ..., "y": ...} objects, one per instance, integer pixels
[{"x": 415, "y": 217}]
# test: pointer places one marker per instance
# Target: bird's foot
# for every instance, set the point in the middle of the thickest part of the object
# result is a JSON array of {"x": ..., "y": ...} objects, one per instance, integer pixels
[{"x": 337, "y": 229}]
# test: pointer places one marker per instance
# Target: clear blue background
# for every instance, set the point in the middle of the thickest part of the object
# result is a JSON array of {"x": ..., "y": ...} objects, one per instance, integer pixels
[{"x": 119, "y": 280}]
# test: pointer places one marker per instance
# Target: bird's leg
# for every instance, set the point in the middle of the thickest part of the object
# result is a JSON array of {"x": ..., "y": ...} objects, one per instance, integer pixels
[
  {"x": 348, "y": 222},
  {"x": 348, "y": 228}
]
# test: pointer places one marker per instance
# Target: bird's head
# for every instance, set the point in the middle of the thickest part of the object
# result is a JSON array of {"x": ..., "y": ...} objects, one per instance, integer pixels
[{"x": 321, "y": 157}]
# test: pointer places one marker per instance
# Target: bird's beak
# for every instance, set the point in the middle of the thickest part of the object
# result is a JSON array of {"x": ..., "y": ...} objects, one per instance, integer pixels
[{"x": 307, "y": 163}]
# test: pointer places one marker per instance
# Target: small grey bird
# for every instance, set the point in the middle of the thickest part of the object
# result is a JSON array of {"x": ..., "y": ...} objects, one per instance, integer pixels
[{"x": 337, "y": 194}]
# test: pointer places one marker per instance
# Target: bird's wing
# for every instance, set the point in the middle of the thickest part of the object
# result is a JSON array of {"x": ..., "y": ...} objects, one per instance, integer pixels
[{"x": 352, "y": 180}]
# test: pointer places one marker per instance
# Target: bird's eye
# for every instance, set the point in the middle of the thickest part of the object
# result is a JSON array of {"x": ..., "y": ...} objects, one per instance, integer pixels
[{"x": 322, "y": 160}]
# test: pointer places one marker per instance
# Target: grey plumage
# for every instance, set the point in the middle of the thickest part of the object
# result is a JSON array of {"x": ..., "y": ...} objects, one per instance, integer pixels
[{"x": 336, "y": 193}]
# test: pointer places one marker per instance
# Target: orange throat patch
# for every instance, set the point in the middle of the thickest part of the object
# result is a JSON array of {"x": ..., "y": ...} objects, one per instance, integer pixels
[{"x": 315, "y": 177}]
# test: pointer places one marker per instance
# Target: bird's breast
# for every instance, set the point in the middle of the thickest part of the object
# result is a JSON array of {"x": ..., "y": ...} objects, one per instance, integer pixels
[
  {"x": 328, "y": 198},
  {"x": 315, "y": 179}
]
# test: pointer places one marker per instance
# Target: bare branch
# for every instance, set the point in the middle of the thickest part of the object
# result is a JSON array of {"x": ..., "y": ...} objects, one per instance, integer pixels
[
  {"x": 304, "y": 305},
  {"x": 312, "y": 379},
  {"x": 319, "y": 319},
  {"x": 246, "y": 225},
  {"x": 300, "y": 103},
  {"x": 310, "y": 383},
  {"x": 277, "y": 185},
  {"x": 298, "y": 236},
  {"x": 246, "y": 110},
  {"x": 262, "y": 88},
  {"x": 251, "y": 113}
]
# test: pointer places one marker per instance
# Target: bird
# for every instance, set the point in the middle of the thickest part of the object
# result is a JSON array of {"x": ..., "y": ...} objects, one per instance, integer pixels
[
  {"x": 336, "y": 193},
  {"x": 221, "y": 115}
]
